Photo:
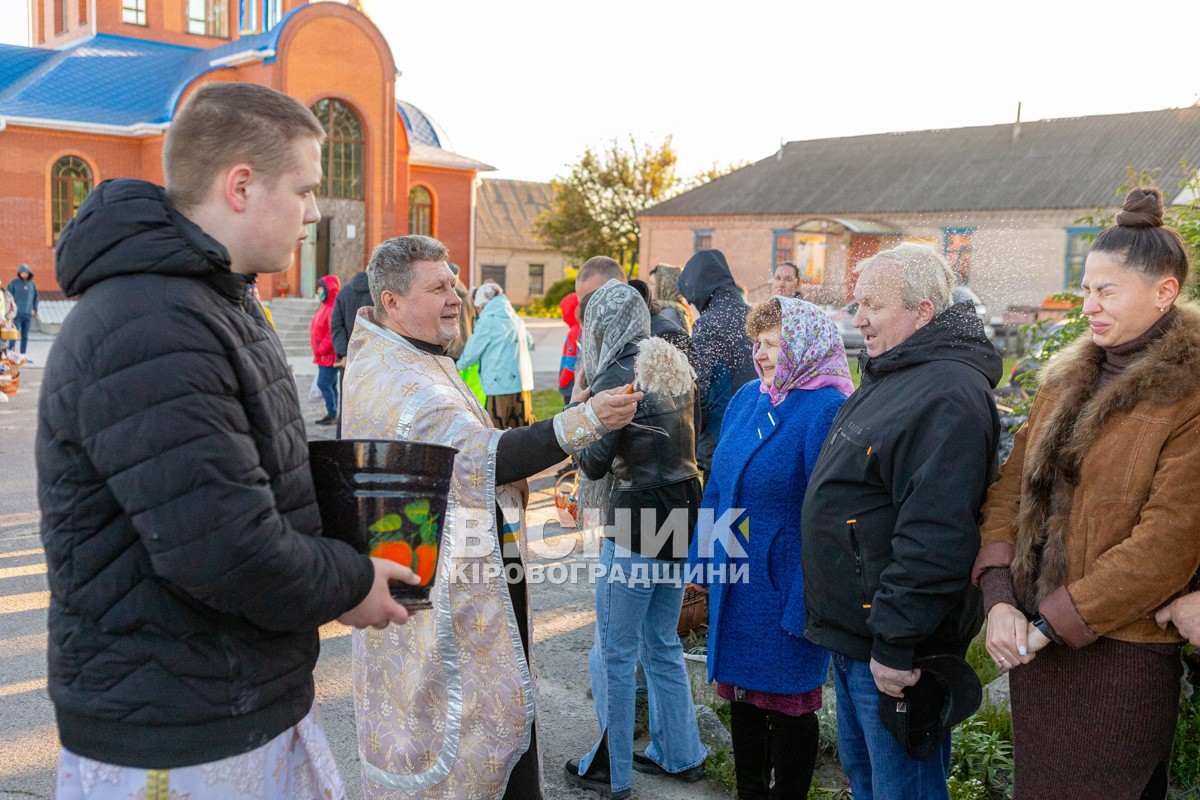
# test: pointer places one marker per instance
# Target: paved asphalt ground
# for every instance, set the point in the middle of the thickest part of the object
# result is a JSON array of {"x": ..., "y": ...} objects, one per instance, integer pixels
[{"x": 562, "y": 628}]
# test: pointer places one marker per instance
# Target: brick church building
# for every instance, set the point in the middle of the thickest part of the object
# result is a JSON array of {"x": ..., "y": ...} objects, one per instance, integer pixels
[{"x": 94, "y": 95}]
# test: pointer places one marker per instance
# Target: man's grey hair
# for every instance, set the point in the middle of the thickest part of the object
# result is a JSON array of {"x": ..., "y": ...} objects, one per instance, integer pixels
[
  {"x": 391, "y": 264},
  {"x": 602, "y": 266},
  {"x": 924, "y": 274}
]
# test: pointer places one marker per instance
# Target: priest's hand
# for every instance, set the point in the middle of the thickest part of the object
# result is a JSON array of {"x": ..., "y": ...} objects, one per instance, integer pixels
[
  {"x": 614, "y": 408},
  {"x": 378, "y": 609}
]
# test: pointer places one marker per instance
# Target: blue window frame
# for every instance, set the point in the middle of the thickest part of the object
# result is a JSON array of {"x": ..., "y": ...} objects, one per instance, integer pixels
[
  {"x": 701, "y": 239},
  {"x": 1079, "y": 241},
  {"x": 248, "y": 16},
  {"x": 783, "y": 246},
  {"x": 958, "y": 244}
]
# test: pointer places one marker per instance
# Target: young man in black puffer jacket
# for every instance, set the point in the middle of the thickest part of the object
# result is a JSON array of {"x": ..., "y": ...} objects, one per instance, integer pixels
[{"x": 187, "y": 570}]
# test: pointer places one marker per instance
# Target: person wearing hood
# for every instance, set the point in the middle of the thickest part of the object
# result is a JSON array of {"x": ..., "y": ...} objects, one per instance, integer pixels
[
  {"x": 723, "y": 353},
  {"x": 891, "y": 513},
  {"x": 500, "y": 346},
  {"x": 25, "y": 295},
  {"x": 664, "y": 290},
  {"x": 569, "y": 306},
  {"x": 188, "y": 574},
  {"x": 320, "y": 335}
]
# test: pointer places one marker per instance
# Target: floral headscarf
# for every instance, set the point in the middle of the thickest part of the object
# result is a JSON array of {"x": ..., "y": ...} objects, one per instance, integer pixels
[{"x": 811, "y": 353}]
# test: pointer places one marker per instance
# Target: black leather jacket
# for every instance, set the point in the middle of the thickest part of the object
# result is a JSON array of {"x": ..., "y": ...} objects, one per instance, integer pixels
[{"x": 639, "y": 458}]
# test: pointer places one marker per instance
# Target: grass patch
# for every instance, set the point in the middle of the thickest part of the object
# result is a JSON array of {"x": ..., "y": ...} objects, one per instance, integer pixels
[
  {"x": 546, "y": 403},
  {"x": 718, "y": 769}
]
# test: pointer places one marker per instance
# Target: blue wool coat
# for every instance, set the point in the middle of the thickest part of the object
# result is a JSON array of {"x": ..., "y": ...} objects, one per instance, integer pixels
[{"x": 762, "y": 464}]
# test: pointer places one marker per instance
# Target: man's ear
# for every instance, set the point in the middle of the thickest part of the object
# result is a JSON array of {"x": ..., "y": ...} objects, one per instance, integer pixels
[
  {"x": 237, "y": 184},
  {"x": 925, "y": 313}
]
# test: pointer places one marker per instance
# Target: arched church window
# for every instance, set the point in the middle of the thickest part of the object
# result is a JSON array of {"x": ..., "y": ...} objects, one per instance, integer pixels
[
  {"x": 342, "y": 153},
  {"x": 420, "y": 211},
  {"x": 70, "y": 184}
]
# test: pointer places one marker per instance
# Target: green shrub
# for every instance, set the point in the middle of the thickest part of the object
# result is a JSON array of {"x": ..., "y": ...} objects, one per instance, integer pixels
[
  {"x": 981, "y": 750},
  {"x": 718, "y": 769},
  {"x": 1185, "y": 758},
  {"x": 970, "y": 789},
  {"x": 980, "y": 661}
]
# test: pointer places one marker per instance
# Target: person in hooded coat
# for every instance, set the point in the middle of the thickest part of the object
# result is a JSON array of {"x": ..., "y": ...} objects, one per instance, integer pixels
[
  {"x": 25, "y": 294},
  {"x": 324, "y": 356},
  {"x": 724, "y": 360},
  {"x": 569, "y": 306}
]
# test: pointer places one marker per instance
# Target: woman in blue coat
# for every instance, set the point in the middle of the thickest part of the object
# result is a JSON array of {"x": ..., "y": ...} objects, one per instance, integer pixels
[{"x": 770, "y": 439}]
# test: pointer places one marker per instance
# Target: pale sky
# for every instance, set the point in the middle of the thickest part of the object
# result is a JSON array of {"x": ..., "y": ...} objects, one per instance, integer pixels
[{"x": 526, "y": 86}]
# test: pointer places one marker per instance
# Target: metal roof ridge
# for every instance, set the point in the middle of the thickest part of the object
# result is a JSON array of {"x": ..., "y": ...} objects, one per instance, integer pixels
[{"x": 996, "y": 125}]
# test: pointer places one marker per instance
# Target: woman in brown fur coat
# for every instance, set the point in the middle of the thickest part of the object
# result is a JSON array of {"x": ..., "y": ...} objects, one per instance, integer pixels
[{"x": 1094, "y": 523}]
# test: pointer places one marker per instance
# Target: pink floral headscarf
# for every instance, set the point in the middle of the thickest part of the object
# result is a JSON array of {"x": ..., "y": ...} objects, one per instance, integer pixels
[{"x": 811, "y": 353}]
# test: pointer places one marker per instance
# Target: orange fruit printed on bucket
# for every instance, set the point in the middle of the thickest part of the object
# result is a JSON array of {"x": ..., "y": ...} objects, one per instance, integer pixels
[{"x": 399, "y": 552}]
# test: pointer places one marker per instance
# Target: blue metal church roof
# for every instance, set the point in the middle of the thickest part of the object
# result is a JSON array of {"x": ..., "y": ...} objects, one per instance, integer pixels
[{"x": 111, "y": 80}]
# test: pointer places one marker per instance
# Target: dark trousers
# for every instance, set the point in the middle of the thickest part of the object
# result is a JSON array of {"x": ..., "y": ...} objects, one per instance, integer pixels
[{"x": 771, "y": 740}]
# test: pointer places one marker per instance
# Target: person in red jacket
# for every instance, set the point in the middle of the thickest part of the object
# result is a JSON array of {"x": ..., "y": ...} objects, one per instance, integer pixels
[
  {"x": 570, "y": 352},
  {"x": 324, "y": 356}
]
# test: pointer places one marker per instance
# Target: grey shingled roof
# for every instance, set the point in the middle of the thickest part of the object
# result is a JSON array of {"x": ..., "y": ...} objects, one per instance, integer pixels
[
  {"x": 506, "y": 210},
  {"x": 1057, "y": 163}
]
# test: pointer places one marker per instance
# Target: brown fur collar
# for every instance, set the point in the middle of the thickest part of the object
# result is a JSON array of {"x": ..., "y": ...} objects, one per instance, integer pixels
[{"x": 1167, "y": 371}]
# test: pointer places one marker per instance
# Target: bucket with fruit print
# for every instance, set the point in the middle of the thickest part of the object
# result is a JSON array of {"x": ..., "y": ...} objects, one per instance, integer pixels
[{"x": 388, "y": 500}]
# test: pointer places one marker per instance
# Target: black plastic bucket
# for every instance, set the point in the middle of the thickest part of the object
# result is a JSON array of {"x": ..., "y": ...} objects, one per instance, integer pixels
[{"x": 388, "y": 500}]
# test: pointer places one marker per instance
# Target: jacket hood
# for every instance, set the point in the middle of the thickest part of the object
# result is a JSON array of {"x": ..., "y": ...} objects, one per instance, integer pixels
[
  {"x": 24, "y": 268},
  {"x": 569, "y": 306},
  {"x": 332, "y": 285},
  {"x": 359, "y": 282},
  {"x": 956, "y": 334},
  {"x": 128, "y": 227},
  {"x": 498, "y": 306},
  {"x": 704, "y": 274}
]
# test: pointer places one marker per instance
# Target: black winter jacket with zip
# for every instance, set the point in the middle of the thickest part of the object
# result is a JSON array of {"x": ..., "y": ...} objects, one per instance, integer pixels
[
  {"x": 891, "y": 514},
  {"x": 187, "y": 572}
]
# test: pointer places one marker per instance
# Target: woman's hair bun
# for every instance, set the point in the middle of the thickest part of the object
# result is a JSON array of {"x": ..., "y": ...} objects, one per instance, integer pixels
[{"x": 1143, "y": 209}]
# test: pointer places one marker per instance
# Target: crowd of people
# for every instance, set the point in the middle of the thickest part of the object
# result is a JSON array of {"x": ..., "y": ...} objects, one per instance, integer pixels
[{"x": 189, "y": 572}]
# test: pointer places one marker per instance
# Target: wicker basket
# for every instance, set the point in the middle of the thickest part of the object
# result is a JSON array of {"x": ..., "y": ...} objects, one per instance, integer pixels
[
  {"x": 10, "y": 378},
  {"x": 694, "y": 612},
  {"x": 566, "y": 498}
]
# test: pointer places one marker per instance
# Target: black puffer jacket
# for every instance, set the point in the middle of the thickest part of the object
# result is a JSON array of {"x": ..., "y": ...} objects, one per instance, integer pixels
[
  {"x": 187, "y": 573},
  {"x": 891, "y": 514},
  {"x": 353, "y": 296}
]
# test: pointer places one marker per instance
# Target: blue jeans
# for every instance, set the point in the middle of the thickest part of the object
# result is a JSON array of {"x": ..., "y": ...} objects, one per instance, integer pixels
[
  {"x": 327, "y": 382},
  {"x": 633, "y": 618},
  {"x": 876, "y": 764},
  {"x": 22, "y": 321}
]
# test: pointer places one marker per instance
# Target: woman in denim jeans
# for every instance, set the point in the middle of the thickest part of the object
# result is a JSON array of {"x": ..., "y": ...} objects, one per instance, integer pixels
[{"x": 645, "y": 481}]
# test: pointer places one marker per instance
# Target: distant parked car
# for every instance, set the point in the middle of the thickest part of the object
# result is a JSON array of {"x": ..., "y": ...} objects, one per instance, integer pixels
[{"x": 843, "y": 317}]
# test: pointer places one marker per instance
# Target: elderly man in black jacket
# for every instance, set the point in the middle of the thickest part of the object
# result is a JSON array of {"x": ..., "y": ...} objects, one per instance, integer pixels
[
  {"x": 188, "y": 574},
  {"x": 891, "y": 512}
]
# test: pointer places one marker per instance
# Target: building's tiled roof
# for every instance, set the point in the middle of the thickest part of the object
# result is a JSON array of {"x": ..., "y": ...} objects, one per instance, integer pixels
[
  {"x": 506, "y": 211},
  {"x": 1060, "y": 163}
]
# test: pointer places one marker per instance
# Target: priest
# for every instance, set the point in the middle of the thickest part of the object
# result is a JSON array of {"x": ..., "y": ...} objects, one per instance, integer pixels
[{"x": 445, "y": 705}]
